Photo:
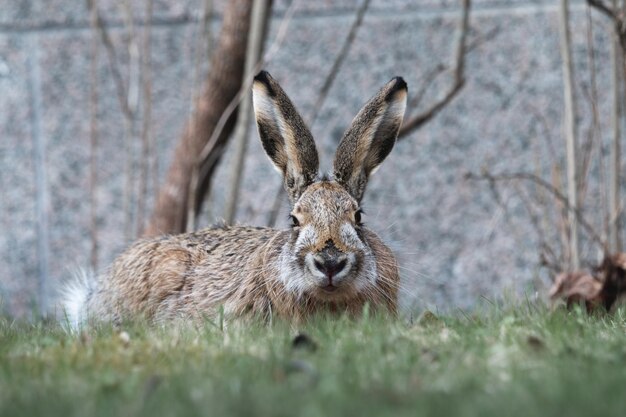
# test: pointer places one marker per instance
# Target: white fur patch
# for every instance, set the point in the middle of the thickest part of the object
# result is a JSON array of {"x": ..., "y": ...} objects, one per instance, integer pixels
[
  {"x": 398, "y": 106},
  {"x": 75, "y": 296},
  {"x": 262, "y": 102},
  {"x": 309, "y": 260},
  {"x": 306, "y": 237},
  {"x": 290, "y": 276},
  {"x": 350, "y": 238},
  {"x": 393, "y": 113},
  {"x": 264, "y": 108},
  {"x": 350, "y": 258},
  {"x": 369, "y": 272}
]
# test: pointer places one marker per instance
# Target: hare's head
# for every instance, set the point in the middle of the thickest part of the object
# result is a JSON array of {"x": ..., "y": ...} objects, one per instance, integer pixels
[{"x": 328, "y": 255}]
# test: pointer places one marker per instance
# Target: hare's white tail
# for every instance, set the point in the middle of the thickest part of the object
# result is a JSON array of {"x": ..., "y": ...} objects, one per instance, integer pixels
[{"x": 75, "y": 297}]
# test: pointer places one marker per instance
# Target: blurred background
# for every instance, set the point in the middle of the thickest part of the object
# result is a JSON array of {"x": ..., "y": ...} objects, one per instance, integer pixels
[{"x": 118, "y": 119}]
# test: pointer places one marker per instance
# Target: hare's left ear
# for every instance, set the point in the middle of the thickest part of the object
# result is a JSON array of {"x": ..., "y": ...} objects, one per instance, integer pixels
[
  {"x": 285, "y": 138},
  {"x": 370, "y": 138}
]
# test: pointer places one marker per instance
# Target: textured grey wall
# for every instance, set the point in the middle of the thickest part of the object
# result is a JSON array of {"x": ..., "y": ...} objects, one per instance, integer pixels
[{"x": 454, "y": 242}]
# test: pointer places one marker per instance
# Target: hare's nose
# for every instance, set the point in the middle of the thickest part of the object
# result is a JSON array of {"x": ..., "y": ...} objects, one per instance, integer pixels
[{"x": 330, "y": 267}]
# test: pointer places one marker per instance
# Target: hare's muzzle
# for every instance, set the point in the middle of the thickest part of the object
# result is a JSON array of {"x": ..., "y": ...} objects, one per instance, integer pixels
[{"x": 331, "y": 266}]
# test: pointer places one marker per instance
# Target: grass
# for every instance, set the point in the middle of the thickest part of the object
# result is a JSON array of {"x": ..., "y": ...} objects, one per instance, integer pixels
[{"x": 526, "y": 362}]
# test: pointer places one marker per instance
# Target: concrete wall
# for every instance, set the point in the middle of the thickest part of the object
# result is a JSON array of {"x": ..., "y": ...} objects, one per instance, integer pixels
[{"x": 455, "y": 243}]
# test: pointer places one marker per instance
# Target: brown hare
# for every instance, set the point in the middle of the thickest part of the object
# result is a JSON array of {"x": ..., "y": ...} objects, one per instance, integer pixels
[{"x": 326, "y": 261}]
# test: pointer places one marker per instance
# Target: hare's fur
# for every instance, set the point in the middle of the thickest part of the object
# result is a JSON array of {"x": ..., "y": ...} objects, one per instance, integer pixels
[{"x": 328, "y": 261}]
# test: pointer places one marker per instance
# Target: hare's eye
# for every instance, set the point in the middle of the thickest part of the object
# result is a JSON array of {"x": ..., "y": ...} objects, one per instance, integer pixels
[
  {"x": 294, "y": 221},
  {"x": 357, "y": 216}
]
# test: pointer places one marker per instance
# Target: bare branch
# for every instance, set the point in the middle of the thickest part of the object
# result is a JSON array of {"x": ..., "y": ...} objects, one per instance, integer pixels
[
  {"x": 240, "y": 137},
  {"x": 147, "y": 142},
  {"x": 594, "y": 133},
  {"x": 487, "y": 176},
  {"x": 125, "y": 102},
  {"x": 425, "y": 84},
  {"x": 339, "y": 59},
  {"x": 547, "y": 254},
  {"x": 114, "y": 65},
  {"x": 614, "y": 217},
  {"x": 278, "y": 200},
  {"x": 201, "y": 50},
  {"x": 93, "y": 141},
  {"x": 418, "y": 120},
  {"x": 321, "y": 98},
  {"x": 232, "y": 106},
  {"x": 131, "y": 100},
  {"x": 603, "y": 8},
  {"x": 132, "y": 87},
  {"x": 220, "y": 87},
  {"x": 482, "y": 39},
  {"x": 458, "y": 81},
  {"x": 570, "y": 130},
  {"x": 213, "y": 148}
]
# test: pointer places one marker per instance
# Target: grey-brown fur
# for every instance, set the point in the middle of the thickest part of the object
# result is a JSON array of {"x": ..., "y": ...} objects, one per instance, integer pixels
[
  {"x": 376, "y": 125},
  {"x": 305, "y": 162},
  {"x": 328, "y": 261}
]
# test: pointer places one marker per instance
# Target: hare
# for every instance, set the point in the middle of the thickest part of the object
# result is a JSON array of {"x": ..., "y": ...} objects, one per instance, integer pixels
[{"x": 327, "y": 261}]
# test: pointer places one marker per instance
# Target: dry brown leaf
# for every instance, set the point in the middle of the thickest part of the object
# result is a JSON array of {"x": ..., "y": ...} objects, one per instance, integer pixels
[
  {"x": 613, "y": 275},
  {"x": 574, "y": 287},
  {"x": 603, "y": 287}
]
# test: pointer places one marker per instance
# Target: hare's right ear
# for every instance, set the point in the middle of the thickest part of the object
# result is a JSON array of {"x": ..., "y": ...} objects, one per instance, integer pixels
[
  {"x": 370, "y": 138},
  {"x": 285, "y": 138}
]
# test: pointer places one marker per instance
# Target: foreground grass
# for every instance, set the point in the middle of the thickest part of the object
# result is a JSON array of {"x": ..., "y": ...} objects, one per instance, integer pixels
[{"x": 500, "y": 363}]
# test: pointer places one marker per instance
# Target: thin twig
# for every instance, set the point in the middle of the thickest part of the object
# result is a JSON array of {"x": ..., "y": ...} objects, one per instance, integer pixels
[
  {"x": 570, "y": 130},
  {"x": 132, "y": 97},
  {"x": 134, "y": 70},
  {"x": 541, "y": 224},
  {"x": 594, "y": 131},
  {"x": 487, "y": 176},
  {"x": 483, "y": 39},
  {"x": 93, "y": 142},
  {"x": 212, "y": 149},
  {"x": 240, "y": 136},
  {"x": 339, "y": 59},
  {"x": 546, "y": 250},
  {"x": 427, "y": 81},
  {"x": 122, "y": 90},
  {"x": 601, "y": 7},
  {"x": 247, "y": 83},
  {"x": 147, "y": 143},
  {"x": 219, "y": 87},
  {"x": 272, "y": 217},
  {"x": 418, "y": 120},
  {"x": 619, "y": 21},
  {"x": 323, "y": 94},
  {"x": 614, "y": 224},
  {"x": 561, "y": 212},
  {"x": 114, "y": 65},
  {"x": 201, "y": 47}
]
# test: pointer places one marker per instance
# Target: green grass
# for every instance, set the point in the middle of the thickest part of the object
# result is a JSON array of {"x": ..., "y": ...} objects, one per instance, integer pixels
[{"x": 518, "y": 362}]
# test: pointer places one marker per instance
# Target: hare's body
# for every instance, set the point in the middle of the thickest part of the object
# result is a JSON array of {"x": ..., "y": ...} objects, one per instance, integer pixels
[
  {"x": 327, "y": 261},
  {"x": 234, "y": 269}
]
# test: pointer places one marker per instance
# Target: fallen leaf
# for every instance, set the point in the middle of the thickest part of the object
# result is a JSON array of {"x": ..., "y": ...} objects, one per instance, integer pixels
[
  {"x": 575, "y": 287},
  {"x": 613, "y": 274}
]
